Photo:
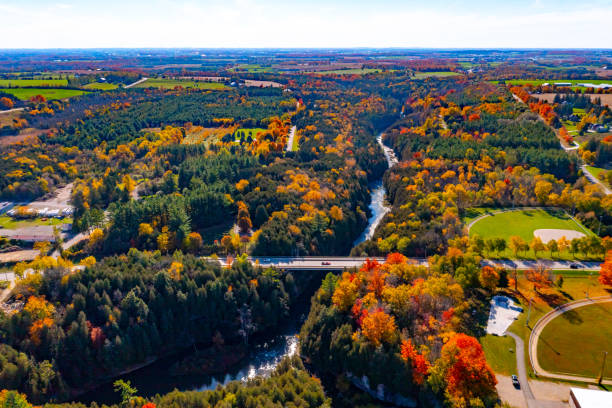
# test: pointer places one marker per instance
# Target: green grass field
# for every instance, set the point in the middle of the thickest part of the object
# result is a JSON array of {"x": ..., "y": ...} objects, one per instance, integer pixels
[
  {"x": 253, "y": 132},
  {"x": 101, "y": 86},
  {"x": 576, "y": 284},
  {"x": 10, "y": 223},
  {"x": 8, "y": 83},
  {"x": 437, "y": 74},
  {"x": 172, "y": 83},
  {"x": 536, "y": 82},
  {"x": 251, "y": 68},
  {"x": 500, "y": 353},
  {"x": 558, "y": 350},
  {"x": 26, "y": 93},
  {"x": 522, "y": 223}
]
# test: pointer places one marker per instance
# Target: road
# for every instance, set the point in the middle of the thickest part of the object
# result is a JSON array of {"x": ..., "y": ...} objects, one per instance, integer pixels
[
  {"x": 522, "y": 370},
  {"x": 308, "y": 263},
  {"x": 289, "y": 146},
  {"x": 140, "y": 81},
  {"x": 11, "y": 110},
  {"x": 594, "y": 179},
  {"x": 539, "y": 327}
]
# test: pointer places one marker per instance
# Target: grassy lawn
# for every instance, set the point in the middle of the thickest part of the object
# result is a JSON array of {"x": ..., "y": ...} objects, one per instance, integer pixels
[
  {"x": 251, "y": 68},
  {"x": 49, "y": 93},
  {"x": 522, "y": 223},
  {"x": 252, "y": 131},
  {"x": 438, "y": 74},
  {"x": 101, "y": 86},
  {"x": 500, "y": 353},
  {"x": 8, "y": 83},
  {"x": 598, "y": 172},
  {"x": 172, "y": 83},
  {"x": 10, "y": 223},
  {"x": 558, "y": 350},
  {"x": 574, "y": 288}
]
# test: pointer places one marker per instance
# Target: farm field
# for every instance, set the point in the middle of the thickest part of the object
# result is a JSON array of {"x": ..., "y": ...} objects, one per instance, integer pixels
[
  {"x": 522, "y": 223},
  {"x": 16, "y": 83},
  {"x": 49, "y": 93},
  {"x": 199, "y": 134},
  {"x": 536, "y": 82},
  {"x": 351, "y": 71},
  {"x": 606, "y": 99},
  {"x": 437, "y": 74},
  {"x": 172, "y": 83},
  {"x": 101, "y": 86},
  {"x": 558, "y": 350}
]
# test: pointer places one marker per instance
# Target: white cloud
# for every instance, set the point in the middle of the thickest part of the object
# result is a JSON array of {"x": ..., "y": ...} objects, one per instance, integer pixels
[{"x": 247, "y": 23}]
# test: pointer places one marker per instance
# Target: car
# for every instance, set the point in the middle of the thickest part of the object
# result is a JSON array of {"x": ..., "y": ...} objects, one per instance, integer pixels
[
  {"x": 515, "y": 382},
  {"x": 574, "y": 266},
  {"x": 325, "y": 263},
  {"x": 266, "y": 259}
]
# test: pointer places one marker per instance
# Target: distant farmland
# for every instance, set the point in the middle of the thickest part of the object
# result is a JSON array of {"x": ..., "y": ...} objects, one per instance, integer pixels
[
  {"x": 26, "y": 93},
  {"x": 606, "y": 99},
  {"x": 19, "y": 83},
  {"x": 172, "y": 83},
  {"x": 101, "y": 86},
  {"x": 438, "y": 74}
]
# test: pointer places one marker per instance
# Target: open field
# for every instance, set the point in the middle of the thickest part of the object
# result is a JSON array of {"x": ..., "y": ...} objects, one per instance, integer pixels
[
  {"x": 16, "y": 83},
  {"x": 101, "y": 86},
  {"x": 248, "y": 131},
  {"x": 575, "y": 286},
  {"x": 172, "y": 83},
  {"x": 437, "y": 74},
  {"x": 26, "y": 93},
  {"x": 606, "y": 99},
  {"x": 352, "y": 71},
  {"x": 10, "y": 223},
  {"x": 500, "y": 353},
  {"x": 522, "y": 223},
  {"x": 558, "y": 350},
  {"x": 536, "y": 82}
]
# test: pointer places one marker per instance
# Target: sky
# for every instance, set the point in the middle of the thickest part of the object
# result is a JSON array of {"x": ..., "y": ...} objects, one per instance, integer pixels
[{"x": 305, "y": 24}]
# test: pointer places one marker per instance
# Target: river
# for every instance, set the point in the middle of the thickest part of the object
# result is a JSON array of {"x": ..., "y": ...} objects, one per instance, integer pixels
[
  {"x": 262, "y": 358},
  {"x": 378, "y": 209}
]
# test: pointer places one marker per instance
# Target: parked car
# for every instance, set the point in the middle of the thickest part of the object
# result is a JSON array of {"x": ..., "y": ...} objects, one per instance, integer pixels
[
  {"x": 325, "y": 263},
  {"x": 574, "y": 266},
  {"x": 515, "y": 382}
]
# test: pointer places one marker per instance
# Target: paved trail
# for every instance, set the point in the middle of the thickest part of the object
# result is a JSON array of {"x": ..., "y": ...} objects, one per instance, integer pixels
[
  {"x": 11, "y": 110},
  {"x": 289, "y": 146},
  {"x": 595, "y": 180},
  {"x": 539, "y": 327},
  {"x": 522, "y": 370},
  {"x": 136, "y": 83}
]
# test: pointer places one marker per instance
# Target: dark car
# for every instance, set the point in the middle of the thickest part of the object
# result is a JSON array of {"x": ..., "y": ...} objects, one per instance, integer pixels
[
  {"x": 515, "y": 382},
  {"x": 574, "y": 266},
  {"x": 325, "y": 263}
]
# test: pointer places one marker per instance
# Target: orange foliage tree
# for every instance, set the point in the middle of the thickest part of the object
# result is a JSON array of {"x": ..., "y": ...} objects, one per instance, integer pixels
[
  {"x": 605, "y": 272},
  {"x": 378, "y": 327}
]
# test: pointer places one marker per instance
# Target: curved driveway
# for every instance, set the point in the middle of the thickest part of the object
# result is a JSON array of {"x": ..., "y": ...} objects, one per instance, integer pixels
[
  {"x": 539, "y": 327},
  {"x": 522, "y": 370}
]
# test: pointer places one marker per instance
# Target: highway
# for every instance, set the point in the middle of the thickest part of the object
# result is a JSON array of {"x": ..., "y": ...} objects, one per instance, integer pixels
[{"x": 339, "y": 263}]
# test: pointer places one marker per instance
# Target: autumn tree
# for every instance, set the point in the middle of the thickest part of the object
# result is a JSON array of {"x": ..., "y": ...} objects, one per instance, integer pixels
[
  {"x": 488, "y": 278},
  {"x": 537, "y": 246},
  {"x": 464, "y": 369},
  {"x": 605, "y": 272},
  {"x": 540, "y": 276},
  {"x": 420, "y": 365},
  {"x": 378, "y": 327},
  {"x": 6, "y": 103}
]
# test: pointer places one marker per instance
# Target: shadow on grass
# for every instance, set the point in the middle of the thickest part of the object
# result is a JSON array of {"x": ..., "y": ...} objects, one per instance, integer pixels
[
  {"x": 572, "y": 316},
  {"x": 547, "y": 344}
]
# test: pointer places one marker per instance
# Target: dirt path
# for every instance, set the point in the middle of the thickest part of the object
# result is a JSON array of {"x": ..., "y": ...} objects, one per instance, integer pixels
[
  {"x": 11, "y": 110},
  {"x": 539, "y": 327}
]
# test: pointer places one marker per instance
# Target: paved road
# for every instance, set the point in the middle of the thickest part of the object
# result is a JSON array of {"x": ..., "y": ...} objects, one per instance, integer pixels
[
  {"x": 11, "y": 110},
  {"x": 136, "y": 83},
  {"x": 341, "y": 262},
  {"x": 594, "y": 179},
  {"x": 522, "y": 370},
  {"x": 539, "y": 327},
  {"x": 289, "y": 146}
]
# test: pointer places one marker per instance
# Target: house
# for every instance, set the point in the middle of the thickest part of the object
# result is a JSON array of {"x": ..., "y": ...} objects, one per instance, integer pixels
[{"x": 586, "y": 398}]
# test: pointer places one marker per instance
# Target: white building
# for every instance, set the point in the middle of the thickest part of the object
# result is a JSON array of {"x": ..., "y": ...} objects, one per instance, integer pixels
[{"x": 585, "y": 398}]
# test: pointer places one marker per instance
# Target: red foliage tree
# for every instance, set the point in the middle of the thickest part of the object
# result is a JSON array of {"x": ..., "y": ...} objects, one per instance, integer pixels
[
  {"x": 605, "y": 272},
  {"x": 420, "y": 366}
]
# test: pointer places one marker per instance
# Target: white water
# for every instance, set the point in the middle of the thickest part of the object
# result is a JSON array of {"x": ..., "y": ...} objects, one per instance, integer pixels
[{"x": 377, "y": 204}]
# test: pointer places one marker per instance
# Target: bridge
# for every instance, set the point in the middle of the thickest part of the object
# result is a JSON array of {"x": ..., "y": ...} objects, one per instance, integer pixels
[{"x": 339, "y": 263}]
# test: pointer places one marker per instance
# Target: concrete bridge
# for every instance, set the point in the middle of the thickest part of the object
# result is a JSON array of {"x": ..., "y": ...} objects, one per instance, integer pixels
[{"x": 339, "y": 263}]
